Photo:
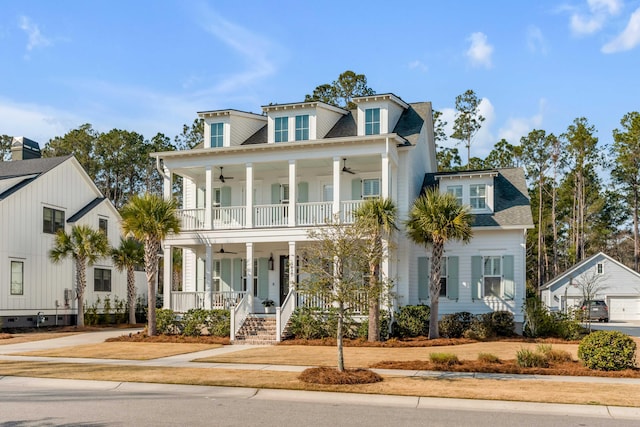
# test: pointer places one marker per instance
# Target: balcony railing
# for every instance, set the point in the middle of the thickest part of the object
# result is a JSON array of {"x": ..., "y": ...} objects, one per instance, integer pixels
[{"x": 265, "y": 216}]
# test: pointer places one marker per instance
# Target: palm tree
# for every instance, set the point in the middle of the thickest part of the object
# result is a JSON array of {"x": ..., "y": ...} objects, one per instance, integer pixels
[
  {"x": 378, "y": 217},
  {"x": 436, "y": 218},
  {"x": 85, "y": 246},
  {"x": 150, "y": 218},
  {"x": 125, "y": 257}
]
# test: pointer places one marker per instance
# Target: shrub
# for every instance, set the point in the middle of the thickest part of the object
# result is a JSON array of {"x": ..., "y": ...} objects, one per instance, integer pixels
[
  {"x": 193, "y": 322},
  {"x": 363, "y": 327},
  {"x": 219, "y": 323},
  {"x": 539, "y": 322},
  {"x": 454, "y": 325},
  {"x": 502, "y": 323},
  {"x": 526, "y": 358},
  {"x": 480, "y": 328},
  {"x": 412, "y": 321},
  {"x": 554, "y": 355},
  {"x": 304, "y": 324},
  {"x": 166, "y": 322},
  {"x": 444, "y": 359},
  {"x": 488, "y": 358},
  {"x": 607, "y": 351}
]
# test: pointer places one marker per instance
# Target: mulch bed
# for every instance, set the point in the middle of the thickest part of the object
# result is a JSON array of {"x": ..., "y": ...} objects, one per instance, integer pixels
[
  {"x": 419, "y": 342},
  {"x": 142, "y": 337},
  {"x": 573, "y": 368},
  {"x": 327, "y": 375},
  {"x": 5, "y": 336}
]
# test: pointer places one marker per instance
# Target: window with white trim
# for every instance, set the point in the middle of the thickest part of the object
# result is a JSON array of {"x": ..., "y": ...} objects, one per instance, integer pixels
[
  {"x": 456, "y": 190},
  {"x": 372, "y": 121},
  {"x": 217, "y": 135},
  {"x": 255, "y": 276},
  {"x": 17, "y": 278},
  {"x": 101, "y": 280},
  {"x": 281, "y": 130},
  {"x": 492, "y": 276},
  {"x": 478, "y": 196},
  {"x": 215, "y": 275},
  {"x": 302, "y": 127},
  {"x": 370, "y": 188},
  {"x": 284, "y": 194},
  {"x": 444, "y": 275},
  {"x": 599, "y": 268},
  {"x": 103, "y": 225},
  {"x": 217, "y": 196}
]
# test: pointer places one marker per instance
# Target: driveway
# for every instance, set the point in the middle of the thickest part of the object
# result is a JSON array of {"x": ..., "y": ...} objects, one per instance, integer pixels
[{"x": 629, "y": 328}]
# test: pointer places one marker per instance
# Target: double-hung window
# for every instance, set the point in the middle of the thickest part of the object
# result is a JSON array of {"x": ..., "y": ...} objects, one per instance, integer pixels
[
  {"x": 281, "y": 132},
  {"x": 492, "y": 276},
  {"x": 217, "y": 135},
  {"x": 255, "y": 276},
  {"x": 17, "y": 278},
  {"x": 370, "y": 188},
  {"x": 478, "y": 196},
  {"x": 302, "y": 128},
  {"x": 456, "y": 190},
  {"x": 284, "y": 194},
  {"x": 103, "y": 225},
  {"x": 215, "y": 275},
  {"x": 372, "y": 121},
  {"x": 102, "y": 280},
  {"x": 52, "y": 220},
  {"x": 444, "y": 275}
]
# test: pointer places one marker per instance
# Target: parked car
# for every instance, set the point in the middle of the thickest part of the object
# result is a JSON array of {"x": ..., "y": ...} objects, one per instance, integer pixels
[{"x": 596, "y": 309}]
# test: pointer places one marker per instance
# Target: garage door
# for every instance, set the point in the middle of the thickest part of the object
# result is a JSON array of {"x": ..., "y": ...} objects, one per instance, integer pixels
[{"x": 621, "y": 308}]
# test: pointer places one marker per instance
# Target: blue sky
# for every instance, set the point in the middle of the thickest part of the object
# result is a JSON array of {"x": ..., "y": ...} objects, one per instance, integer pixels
[{"x": 149, "y": 66}]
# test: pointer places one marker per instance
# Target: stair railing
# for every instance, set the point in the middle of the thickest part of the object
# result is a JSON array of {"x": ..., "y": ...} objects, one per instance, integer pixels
[
  {"x": 239, "y": 313},
  {"x": 284, "y": 312}
]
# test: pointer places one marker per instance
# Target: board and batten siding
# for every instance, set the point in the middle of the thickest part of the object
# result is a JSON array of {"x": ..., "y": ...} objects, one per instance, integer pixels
[
  {"x": 483, "y": 243},
  {"x": 65, "y": 188}
]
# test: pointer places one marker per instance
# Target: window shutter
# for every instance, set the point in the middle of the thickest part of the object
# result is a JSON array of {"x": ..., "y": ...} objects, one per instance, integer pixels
[
  {"x": 275, "y": 193},
  {"x": 225, "y": 274},
  {"x": 356, "y": 189},
  {"x": 452, "y": 280},
  {"x": 225, "y": 196},
  {"x": 237, "y": 274},
  {"x": 509, "y": 285},
  {"x": 303, "y": 192},
  {"x": 476, "y": 277},
  {"x": 263, "y": 278},
  {"x": 423, "y": 278}
]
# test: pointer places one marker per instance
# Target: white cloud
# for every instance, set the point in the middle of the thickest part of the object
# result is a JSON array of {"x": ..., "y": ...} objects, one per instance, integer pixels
[
  {"x": 594, "y": 20},
  {"x": 479, "y": 53},
  {"x": 628, "y": 39},
  {"x": 418, "y": 65},
  {"x": 517, "y": 127},
  {"x": 35, "y": 37},
  {"x": 535, "y": 40}
]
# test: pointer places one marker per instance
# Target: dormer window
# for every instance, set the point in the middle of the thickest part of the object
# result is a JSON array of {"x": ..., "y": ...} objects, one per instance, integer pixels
[
  {"x": 478, "y": 196},
  {"x": 372, "y": 121},
  {"x": 456, "y": 190},
  {"x": 281, "y": 133},
  {"x": 302, "y": 128},
  {"x": 217, "y": 135}
]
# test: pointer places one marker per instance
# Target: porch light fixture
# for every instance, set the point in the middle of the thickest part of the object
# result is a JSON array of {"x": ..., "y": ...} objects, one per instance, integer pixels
[{"x": 270, "y": 263}]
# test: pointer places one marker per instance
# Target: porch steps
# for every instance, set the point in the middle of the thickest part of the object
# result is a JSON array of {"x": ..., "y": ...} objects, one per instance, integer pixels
[{"x": 258, "y": 330}]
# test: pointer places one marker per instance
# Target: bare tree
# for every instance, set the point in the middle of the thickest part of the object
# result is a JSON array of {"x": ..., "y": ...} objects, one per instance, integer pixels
[{"x": 591, "y": 284}]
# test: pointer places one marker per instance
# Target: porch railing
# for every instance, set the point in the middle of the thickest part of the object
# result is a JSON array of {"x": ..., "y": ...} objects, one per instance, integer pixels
[
  {"x": 181, "y": 302},
  {"x": 347, "y": 210},
  {"x": 191, "y": 219},
  {"x": 226, "y": 299},
  {"x": 324, "y": 302},
  {"x": 239, "y": 313},
  {"x": 275, "y": 215},
  {"x": 229, "y": 217},
  {"x": 284, "y": 312},
  {"x": 313, "y": 213}
]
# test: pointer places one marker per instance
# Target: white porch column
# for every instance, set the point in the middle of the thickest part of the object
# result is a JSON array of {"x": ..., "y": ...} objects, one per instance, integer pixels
[
  {"x": 250, "y": 272},
  {"x": 166, "y": 285},
  {"x": 208, "y": 277},
  {"x": 336, "y": 185},
  {"x": 293, "y": 266},
  {"x": 385, "y": 189},
  {"x": 208, "y": 200},
  {"x": 292, "y": 193},
  {"x": 249, "y": 198},
  {"x": 167, "y": 184}
]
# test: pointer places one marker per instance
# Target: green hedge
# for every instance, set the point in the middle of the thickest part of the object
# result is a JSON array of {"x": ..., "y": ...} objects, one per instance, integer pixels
[{"x": 607, "y": 351}]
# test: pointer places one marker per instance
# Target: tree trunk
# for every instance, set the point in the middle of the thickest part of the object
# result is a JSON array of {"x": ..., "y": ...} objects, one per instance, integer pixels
[
  {"x": 434, "y": 288},
  {"x": 540, "y": 231},
  {"x": 151, "y": 248},
  {"x": 81, "y": 283},
  {"x": 131, "y": 294},
  {"x": 374, "y": 305},
  {"x": 636, "y": 243},
  {"x": 339, "y": 337}
]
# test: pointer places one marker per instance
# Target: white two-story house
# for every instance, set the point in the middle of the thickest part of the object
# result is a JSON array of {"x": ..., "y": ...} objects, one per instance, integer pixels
[{"x": 258, "y": 184}]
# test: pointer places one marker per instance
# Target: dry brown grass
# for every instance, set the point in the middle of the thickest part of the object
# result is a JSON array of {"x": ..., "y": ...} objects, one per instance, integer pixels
[
  {"x": 123, "y": 350},
  {"x": 522, "y": 390},
  {"x": 142, "y": 337},
  {"x": 326, "y": 375},
  {"x": 364, "y": 357},
  {"x": 28, "y": 337}
]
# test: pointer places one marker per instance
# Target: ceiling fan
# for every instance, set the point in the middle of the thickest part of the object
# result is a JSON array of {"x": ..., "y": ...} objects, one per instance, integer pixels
[
  {"x": 222, "y": 178},
  {"x": 346, "y": 169},
  {"x": 222, "y": 251}
]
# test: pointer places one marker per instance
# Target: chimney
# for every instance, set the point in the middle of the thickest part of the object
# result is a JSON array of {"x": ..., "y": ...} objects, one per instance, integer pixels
[{"x": 24, "y": 149}]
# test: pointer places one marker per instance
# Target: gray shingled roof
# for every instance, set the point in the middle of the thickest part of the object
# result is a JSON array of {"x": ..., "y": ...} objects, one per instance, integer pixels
[
  {"x": 511, "y": 199},
  {"x": 346, "y": 126},
  {"x": 260, "y": 137},
  {"x": 30, "y": 169}
]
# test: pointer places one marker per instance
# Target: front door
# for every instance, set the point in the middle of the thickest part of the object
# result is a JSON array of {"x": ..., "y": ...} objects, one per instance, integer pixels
[{"x": 284, "y": 277}]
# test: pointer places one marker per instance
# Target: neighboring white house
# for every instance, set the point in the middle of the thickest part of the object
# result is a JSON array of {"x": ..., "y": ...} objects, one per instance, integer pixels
[
  {"x": 607, "y": 279},
  {"x": 38, "y": 197},
  {"x": 260, "y": 182}
]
